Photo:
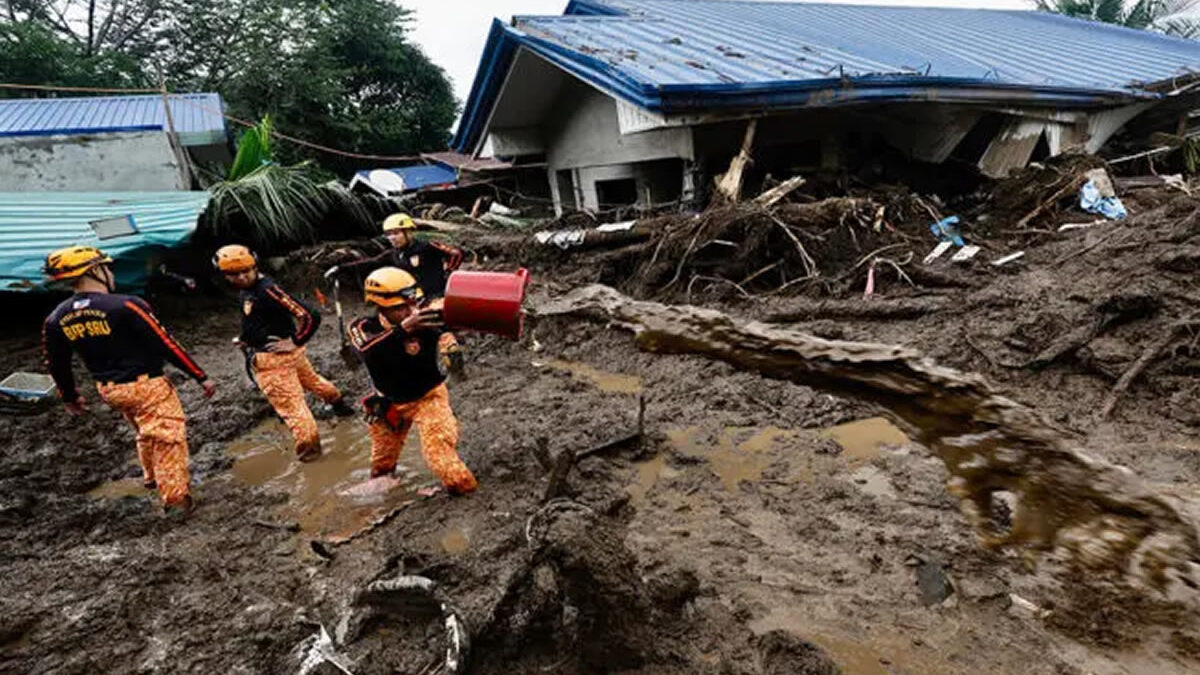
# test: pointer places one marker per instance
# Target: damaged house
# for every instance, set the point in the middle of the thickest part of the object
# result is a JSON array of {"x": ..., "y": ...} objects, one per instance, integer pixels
[{"x": 645, "y": 102}]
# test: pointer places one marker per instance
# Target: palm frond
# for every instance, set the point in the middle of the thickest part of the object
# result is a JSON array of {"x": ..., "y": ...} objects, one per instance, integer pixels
[
  {"x": 254, "y": 150},
  {"x": 270, "y": 207}
]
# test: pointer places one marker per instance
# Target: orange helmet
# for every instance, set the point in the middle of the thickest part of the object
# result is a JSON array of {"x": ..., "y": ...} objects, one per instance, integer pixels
[
  {"x": 391, "y": 286},
  {"x": 74, "y": 261},
  {"x": 234, "y": 259}
]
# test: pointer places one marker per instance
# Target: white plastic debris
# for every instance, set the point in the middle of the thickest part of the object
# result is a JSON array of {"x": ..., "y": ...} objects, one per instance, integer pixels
[
  {"x": 1008, "y": 258},
  {"x": 617, "y": 227},
  {"x": 965, "y": 253},
  {"x": 938, "y": 251}
]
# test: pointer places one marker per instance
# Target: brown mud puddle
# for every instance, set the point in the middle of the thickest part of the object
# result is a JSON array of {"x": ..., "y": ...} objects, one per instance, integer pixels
[
  {"x": 332, "y": 497},
  {"x": 612, "y": 383},
  {"x": 119, "y": 489},
  {"x": 733, "y": 461},
  {"x": 864, "y": 440}
]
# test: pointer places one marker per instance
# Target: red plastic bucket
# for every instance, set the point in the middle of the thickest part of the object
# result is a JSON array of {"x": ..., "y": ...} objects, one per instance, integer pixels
[{"x": 488, "y": 302}]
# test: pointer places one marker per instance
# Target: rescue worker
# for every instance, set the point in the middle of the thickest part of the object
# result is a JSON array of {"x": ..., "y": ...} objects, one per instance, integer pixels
[
  {"x": 399, "y": 347},
  {"x": 275, "y": 328},
  {"x": 124, "y": 347},
  {"x": 430, "y": 262}
]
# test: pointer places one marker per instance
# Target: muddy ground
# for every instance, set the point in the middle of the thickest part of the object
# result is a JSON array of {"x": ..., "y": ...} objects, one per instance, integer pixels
[{"x": 757, "y": 526}]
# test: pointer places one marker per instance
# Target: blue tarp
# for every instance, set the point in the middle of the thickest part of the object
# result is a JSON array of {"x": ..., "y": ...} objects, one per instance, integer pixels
[
  {"x": 33, "y": 224},
  {"x": 677, "y": 56},
  {"x": 410, "y": 178}
]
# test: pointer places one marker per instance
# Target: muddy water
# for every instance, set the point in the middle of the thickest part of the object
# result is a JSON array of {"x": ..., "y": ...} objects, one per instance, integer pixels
[
  {"x": 613, "y": 383},
  {"x": 331, "y": 498},
  {"x": 865, "y": 439},
  {"x": 119, "y": 489},
  {"x": 1096, "y": 515},
  {"x": 734, "y": 457},
  {"x": 456, "y": 541}
]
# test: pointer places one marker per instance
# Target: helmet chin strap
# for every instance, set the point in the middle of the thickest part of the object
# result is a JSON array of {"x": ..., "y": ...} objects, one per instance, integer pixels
[{"x": 103, "y": 277}]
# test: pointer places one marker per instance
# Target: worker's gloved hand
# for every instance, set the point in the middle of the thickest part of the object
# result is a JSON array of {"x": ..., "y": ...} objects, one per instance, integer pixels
[
  {"x": 329, "y": 273},
  {"x": 427, "y": 318},
  {"x": 77, "y": 407},
  {"x": 210, "y": 388}
]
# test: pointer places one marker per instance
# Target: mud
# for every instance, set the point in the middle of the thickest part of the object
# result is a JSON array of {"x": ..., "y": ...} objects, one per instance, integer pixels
[
  {"x": 760, "y": 525},
  {"x": 1099, "y": 516}
]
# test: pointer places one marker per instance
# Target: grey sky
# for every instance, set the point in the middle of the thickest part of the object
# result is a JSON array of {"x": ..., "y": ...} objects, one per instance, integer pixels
[{"x": 452, "y": 32}]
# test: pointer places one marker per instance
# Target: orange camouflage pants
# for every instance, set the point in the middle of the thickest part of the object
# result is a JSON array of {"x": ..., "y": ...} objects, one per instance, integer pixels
[
  {"x": 439, "y": 439},
  {"x": 283, "y": 379},
  {"x": 153, "y": 408}
]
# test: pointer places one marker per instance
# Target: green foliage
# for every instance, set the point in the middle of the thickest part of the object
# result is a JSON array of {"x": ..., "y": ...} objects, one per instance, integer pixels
[
  {"x": 1164, "y": 16},
  {"x": 275, "y": 207},
  {"x": 253, "y": 150},
  {"x": 33, "y": 54},
  {"x": 339, "y": 74}
]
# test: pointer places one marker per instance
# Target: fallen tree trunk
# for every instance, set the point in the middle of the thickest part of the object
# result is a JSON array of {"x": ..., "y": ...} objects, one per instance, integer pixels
[
  {"x": 905, "y": 308},
  {"x": 1099, "y": 516}
]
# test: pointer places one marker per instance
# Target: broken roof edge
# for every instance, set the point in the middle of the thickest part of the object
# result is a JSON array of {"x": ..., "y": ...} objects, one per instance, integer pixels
[{"x": 505, "y": 41}]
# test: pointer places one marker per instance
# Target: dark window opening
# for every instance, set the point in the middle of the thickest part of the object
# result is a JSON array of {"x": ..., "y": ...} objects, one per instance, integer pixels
[
  {"x": 1041, "y": 151},
  {"x": 621, "y": 192},
  {"x": 566, "y": 191},
  {"x": 971, "y": 148}
]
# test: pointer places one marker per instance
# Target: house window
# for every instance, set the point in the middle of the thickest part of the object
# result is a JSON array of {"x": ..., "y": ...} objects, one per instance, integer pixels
[{"x": 622, "y": 192}]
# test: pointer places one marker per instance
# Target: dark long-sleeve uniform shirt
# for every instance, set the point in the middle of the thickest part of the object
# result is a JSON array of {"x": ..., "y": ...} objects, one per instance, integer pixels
[
  {"x": 269, "y": 313},
  {"x": 430, "y": 262},
  {"x": 403, "y": 366},
  {"x": 118, "y": 337}
]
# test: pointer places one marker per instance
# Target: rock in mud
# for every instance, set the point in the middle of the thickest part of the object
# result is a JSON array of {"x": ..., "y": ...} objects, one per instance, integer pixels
[
  {"x": 933, "y": 583},
  {"x": 786, "y": 654}
]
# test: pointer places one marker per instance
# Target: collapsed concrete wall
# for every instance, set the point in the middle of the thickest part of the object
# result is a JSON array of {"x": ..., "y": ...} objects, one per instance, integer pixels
[{"x": 119, "y": 162}]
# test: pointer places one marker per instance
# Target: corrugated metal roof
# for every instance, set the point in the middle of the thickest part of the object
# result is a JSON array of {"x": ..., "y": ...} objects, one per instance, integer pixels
[
  {"x": 464, "y": 162},
  {"x": 198, "y": 115},
  {"x": 33, "y": 224},
  {"x": 699, "y": 42},
  {"x": 686, "y": 55},
  {"x": 406, "y": 179}
]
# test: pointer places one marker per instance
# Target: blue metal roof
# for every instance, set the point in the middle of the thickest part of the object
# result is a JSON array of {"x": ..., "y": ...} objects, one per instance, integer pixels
[
  {"x": 34, "y": 223},
  {"x": 418, "y": 176},
  {"x": 193, "y": 114},
  {"x": 689, "y": 55}
]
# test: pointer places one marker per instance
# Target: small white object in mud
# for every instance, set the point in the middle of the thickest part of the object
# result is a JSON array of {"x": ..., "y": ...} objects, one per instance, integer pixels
[
  {"x": 965, "y": 254},
  {"x": 937, "y": 252},
  {"x": 1023, "y": 608},
  {"x": 1000, "y": 262}
]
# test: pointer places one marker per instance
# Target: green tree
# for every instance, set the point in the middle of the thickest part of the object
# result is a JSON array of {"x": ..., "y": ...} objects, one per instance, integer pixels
[
  {"x": 339, "y": 74},
  {"x": 1165, "y": 16},
  {"x": 32, "y": 54},
  {"x": 94, "y": 26}
]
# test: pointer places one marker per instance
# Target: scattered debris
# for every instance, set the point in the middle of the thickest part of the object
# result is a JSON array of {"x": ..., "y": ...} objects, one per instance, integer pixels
[
  {"x": 1092, "y": 200},
  {"x": 1012, "y": 257},
  {"x": 1025, "y": 609},
  {"x": 1080, "y": 226},
  {"x": 967, "y": 253},
  {"x": 946, "y": 230},
  {"x": 729, "y": 185},
  {"x": 937, "y": 252}
]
